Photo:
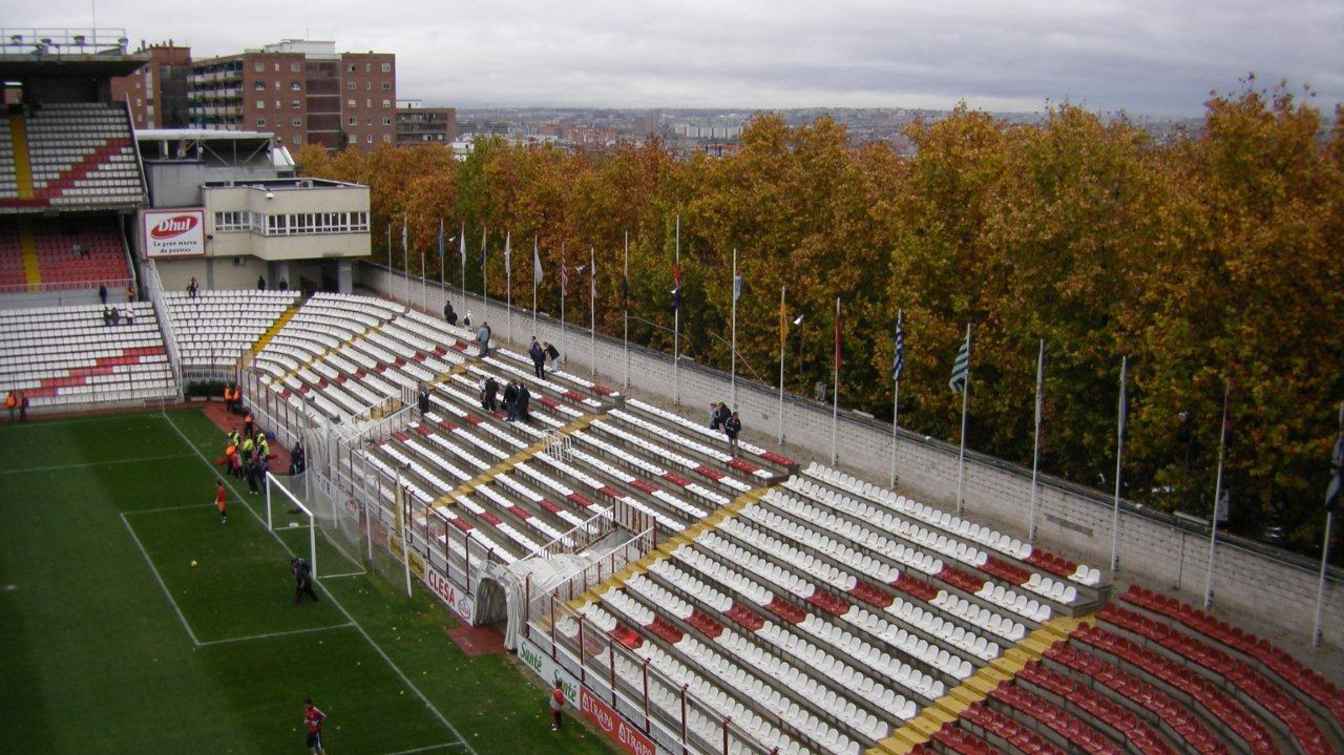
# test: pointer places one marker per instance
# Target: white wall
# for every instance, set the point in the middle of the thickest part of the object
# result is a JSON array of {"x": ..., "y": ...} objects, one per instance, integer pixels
[{"x": 1276, "y": 587}]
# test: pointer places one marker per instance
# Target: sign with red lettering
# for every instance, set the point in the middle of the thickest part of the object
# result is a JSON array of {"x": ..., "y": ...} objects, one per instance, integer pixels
[
  {"x": 616, "y": 727},
  {"x": 173, "y": 233}
]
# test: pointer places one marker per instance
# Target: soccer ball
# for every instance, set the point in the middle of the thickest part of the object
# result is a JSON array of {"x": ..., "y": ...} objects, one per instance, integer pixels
[{"x": 193, "y": 562}]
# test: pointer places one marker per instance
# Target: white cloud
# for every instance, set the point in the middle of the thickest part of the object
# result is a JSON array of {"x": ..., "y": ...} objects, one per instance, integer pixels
[{"x": 1143, "y": 56}]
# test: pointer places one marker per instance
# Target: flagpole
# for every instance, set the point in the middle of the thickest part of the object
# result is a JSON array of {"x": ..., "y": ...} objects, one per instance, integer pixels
[
  {"x": 733, "y": 360},
  {"x": 508, "y": 280},
  {"x": 405, "y": 256},
  {"x": 676, "y": 328},
  {"x": 592, "y": 308},
  {"x": 965, "y": 401},
  {"x": 484, "y": 241},
  {"x": 783, "y": 317},
  {"x": 1119, "y": 454},
  {"x": 835, "y": 390},
  {"x": 1036, "y": 446},
  {"x": 896, "y": 400},
  {"x": 625, "y": 310},
  {"x": 389, "y": 253},
  {"x": 564, "y": 284},
  {"x": 1325, "y": 544},
  {"x": 443, "y": 259},
  {"x": 424, "y": 284},
  {"x": 1217, "y": 494},
  {"x": 536, "y": 257},
  {"x": 462, "y": 249}
]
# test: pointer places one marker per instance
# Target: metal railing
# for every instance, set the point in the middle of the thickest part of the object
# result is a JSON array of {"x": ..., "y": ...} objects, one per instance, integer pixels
[
  {"x": 55, "y": 40},
  {"x": 154, "y": 288}
]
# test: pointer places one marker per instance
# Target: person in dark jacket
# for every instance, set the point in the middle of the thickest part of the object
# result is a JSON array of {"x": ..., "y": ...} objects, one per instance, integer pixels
[
  {"x": 261, "y": 283},
  {"x": 483, "y": 339},
  {"x": 303, "y": 579},
  {"x": 538, "y": 355},
  {"x": 551, "y": 352},
  {"x": 510, "y": 400},
  {"x": 424, "y": 399},
  {"x": 520, "y": 403},
  {"x": 297, "y": 460},
  {"x": 731, "y": 428},
  {"x": 449, "y": 316},
  {"x": 488, "y": 393},
  {"x": 102, "y": 294},
  {"x": 720, "y": 416}
]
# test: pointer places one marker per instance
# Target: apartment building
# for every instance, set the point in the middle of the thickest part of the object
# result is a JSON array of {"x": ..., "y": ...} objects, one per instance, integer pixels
[{"x": 156, "y": 93}]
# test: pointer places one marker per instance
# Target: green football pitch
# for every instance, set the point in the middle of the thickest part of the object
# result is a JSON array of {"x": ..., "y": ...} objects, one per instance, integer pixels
[{"x": 114, "y": 643}]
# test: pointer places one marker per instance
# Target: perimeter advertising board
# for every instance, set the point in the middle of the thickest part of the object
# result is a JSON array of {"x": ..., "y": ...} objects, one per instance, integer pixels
[
  {"x": 438, "y": 584},
  {"x": 173, "y": 233}
]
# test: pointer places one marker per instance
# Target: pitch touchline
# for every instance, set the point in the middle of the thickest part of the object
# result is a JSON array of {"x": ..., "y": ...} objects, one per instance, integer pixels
[
  {"x": 159, "y": 578},
  {"x": 169, "y": 508},
  {"x": 58, "y": 467},
  {"x": 428, "y": 748},
  {"x": 269, "y": 635},
  {"x": 386, "y": 658},
  {"x": 343, "y": 574}
]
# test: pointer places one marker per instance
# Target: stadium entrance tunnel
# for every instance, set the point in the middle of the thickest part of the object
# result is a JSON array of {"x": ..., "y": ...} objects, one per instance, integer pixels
[{"x": 491, "y": 601}]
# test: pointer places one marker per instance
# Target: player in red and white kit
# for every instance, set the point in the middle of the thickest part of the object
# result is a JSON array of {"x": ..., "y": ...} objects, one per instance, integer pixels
[{"x": 312, "y": 720}]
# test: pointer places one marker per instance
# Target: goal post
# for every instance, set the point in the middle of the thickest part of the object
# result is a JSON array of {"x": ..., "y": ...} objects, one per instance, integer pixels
[{"x": 287, "y": 498}]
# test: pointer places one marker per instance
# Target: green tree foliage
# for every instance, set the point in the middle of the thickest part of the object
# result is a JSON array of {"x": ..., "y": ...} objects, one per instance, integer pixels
[{"x": 1211, "y": 259}]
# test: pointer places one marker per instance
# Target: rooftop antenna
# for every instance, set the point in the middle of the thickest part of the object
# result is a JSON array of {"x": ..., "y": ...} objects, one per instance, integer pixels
[{"x": 93, "y": 12}]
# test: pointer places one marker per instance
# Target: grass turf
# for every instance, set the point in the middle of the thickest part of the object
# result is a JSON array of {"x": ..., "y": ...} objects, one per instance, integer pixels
[{"x": 98, "y": 659}]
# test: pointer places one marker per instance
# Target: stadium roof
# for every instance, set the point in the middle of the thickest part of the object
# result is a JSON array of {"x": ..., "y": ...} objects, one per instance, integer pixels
[{"x": 199, "y": 134}]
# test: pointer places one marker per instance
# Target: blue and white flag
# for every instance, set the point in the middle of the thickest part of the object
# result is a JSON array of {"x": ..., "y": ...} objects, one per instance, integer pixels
[
  {"x": 961, "y": 368},
  {"x": 898, "y": 361}
]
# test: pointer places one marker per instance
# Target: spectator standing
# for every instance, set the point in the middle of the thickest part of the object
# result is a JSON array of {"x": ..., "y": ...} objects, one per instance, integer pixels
[
  {"x": 720, "y": 416},
  {"x": 424, "y": 399},
  {"x": 524, "y": 398},
  {"x": 510, "y": 400},
  {"x": 297, "y": 460},
  {"x": 491, "y": 389},
  {"x": 221, "y": 502},
  {"x": 12, "y": 404},
  {"x": 102, "y": 294},
  {"x": 538, "y": 355},
  {"x": 261, "y": 283},
  {"x": 553, "y": 353},
  {"x": 449, "y": 316},
  {"x": 557, "y": 703},
  {"x": 483, "y": 339},
  {"x": 731, "y": 428},
  {"x": 192, "y": 288}
]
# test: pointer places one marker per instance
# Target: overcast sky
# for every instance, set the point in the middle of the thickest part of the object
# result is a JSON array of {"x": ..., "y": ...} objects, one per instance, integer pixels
[{"x": 1142, "y": 56}]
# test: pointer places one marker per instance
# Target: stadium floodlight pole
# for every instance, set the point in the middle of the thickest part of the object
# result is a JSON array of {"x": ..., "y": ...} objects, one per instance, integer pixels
[
  {"x": 676, "y": 323},
  {"x": 1217, "y": 496},
  {"x": 732, "y": 361},
  {"x": 1119, "y": 455},
  {"x": 965, "y": 401},
  {"x": 835, "y": 391},
  {"x": 1331, "y": 499},
  {"x": 1036, "y": 447},
  {"x": 625, "y": 310}
]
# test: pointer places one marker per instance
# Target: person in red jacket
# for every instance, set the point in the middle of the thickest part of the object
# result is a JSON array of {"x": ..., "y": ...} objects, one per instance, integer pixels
[
  {"x": 557, "y": 702},
  {"x": 312, "y": 721}
]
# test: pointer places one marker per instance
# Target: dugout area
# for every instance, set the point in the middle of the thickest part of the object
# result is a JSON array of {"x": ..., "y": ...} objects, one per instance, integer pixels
[{"x": 115, "y": 643}]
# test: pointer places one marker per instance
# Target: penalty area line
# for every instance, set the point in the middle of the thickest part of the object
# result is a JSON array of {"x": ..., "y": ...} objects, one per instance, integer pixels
[
  {"x": 342, "y": 574},
  {"x": 61, "y": 467},
  {"x": 334, "y": 601},
  {"x": 270, "y": 635},
  {"x": 429, "y": 748},
  {"x": 182, "y": 617}
]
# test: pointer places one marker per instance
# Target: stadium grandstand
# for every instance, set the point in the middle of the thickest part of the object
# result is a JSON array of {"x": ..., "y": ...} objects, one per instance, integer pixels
[{"x": 684, "y": 597}]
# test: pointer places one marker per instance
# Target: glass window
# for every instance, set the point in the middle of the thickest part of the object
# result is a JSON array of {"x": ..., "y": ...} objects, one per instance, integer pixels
[
  {"x": 368, "y": 103},
  {"x": 387, "y": 86},
  {"x": 296, "y": 104},
  {"x": 368, "y": 67},
  {"x": 298, "y": 138},
  {"x": 259, "y": 85},
  {"x": 368, "y": 139},
  {"x": 350, "y": 85},
  {"x": 368, "y": 86},
  {"x": 261, "y": 123},
  {"x": 351, "y": 103},
  {"x": 387, "y": 138},
  {"x": 387, "y": 121},
  {"x": 295, "y": 67},
  {"x": 387, "y": 68},
  {"x": 259, "y": 67},
  {"x": 295, "y": 86},
  {"x": 261, "y": 104},
  {"x": 387, "y": 104},
  {"x": 296, "y": 122},
  {"x": 352, "y": 68}
]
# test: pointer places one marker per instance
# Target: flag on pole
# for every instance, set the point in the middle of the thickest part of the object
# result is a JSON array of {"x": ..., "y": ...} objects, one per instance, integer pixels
[
  {"x": 961, "y": 368},
  {"x": 737, "y": 288},
  {"x": 783, "y": 324},
  {"x": 484, "y": 251},
  {"x": 508, "y": 238},
  {"x": 441, "y": 240},
  {"x": 462, "y": 246},
  {"x": 898, "y": 361},
  {"x": 1336, "y": 487},
  {"x": 405, "y": 233},
  {"x": 676, "y": 288},
  {"x": 536, "y": 262},
  {"x": 564, "y": 277}
]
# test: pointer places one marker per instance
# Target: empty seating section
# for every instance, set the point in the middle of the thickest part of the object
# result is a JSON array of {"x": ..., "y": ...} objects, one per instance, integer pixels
[
  {"x": 82, "y": 154},
  {"x": 818, "y": 612},
  {"x": 9, "y": 180},
  {"x": 66, "y": 355},
  {"x": 70, "y": 252},
  {"x": 214, "y": 328}
]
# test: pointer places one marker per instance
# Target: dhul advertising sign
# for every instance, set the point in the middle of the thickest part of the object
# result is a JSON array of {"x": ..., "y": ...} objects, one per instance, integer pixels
[{"x": 173, "y": 233}]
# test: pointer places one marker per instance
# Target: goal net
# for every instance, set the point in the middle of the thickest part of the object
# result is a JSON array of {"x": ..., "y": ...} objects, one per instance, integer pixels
[{"x": 334, "y": 535}]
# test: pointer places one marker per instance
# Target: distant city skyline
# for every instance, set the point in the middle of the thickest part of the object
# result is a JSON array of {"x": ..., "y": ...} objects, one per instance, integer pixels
[{"x": 1146, "y": 57}]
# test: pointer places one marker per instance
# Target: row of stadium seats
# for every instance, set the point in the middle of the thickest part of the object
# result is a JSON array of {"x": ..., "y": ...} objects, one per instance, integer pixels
[
  {"x": 67, "y": 355},
  {"x": 81, "y": 154},
  {"x": 214, "y": 328},
  {"x": 68, "y": 251}
]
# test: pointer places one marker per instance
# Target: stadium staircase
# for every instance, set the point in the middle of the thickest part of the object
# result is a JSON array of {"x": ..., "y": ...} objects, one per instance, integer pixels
[
  {"x": 19, "y": 181},
  {"x": 816, "y": 611},
  {"x": 276, "y": 327},
  {"x": 32, "y": 268}
]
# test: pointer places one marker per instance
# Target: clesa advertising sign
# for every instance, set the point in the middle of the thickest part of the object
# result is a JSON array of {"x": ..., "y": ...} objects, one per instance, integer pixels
[
  {"x": 173, "y": 233},
  {"x": 447, "y": 592},
  {"x": 616, "y": 727}
]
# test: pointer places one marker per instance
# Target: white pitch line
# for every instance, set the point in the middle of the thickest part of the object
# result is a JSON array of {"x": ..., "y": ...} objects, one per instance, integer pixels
[
  {"x": 169, "y": 508},
  {"x": 159, "y": 577},
  {"x": 60, "y": 467},
  {"x": 269, "y": 635},
  {"x": 344, "y": 574},
  {"x": 334, "y": 601},
  {"x": 428, "y": 748}
]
